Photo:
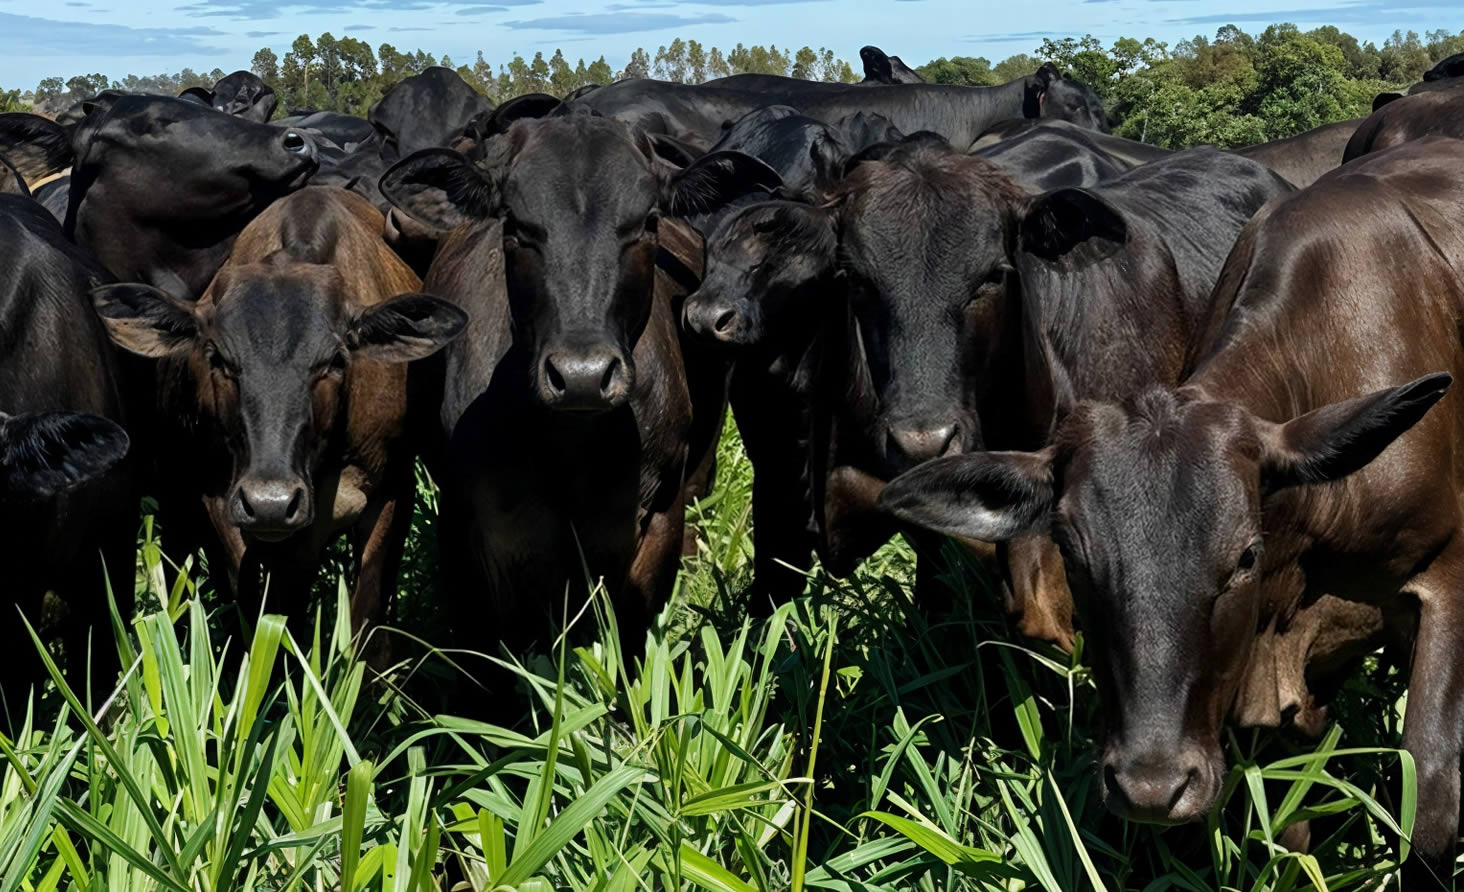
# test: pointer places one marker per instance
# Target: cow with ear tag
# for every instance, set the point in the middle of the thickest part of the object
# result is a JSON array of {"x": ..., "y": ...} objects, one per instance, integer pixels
[
  {"x": 567, "y": 418},
  {"x": 286, "y": 384},
  {"x": 1197, "y": 521}
]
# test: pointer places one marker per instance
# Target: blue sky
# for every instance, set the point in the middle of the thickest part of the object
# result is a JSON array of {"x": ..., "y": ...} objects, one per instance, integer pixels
[{"x": 39, "y": 38}]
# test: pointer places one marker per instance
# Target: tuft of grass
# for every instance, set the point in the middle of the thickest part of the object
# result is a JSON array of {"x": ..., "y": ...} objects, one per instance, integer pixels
[{"x": 850, "y": 742}]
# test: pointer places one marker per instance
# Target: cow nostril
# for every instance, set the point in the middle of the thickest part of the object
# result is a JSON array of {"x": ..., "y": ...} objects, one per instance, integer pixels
[
  {"x": 725, "y": 321},
  {"x": 552, "y": 376},
  {"x": 245, "y": 505},
  {"x": 607, "y": 381},
  {"x": 292, "y": 511}
]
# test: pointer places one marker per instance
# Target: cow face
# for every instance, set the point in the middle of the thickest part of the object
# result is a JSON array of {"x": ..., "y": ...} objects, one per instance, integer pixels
[
  {"x": 1058, "y": 98},
  {"x": 179, "y": 160},
  {"x": 580, "y": 198},
  {"x": 1157, "y": 506},
  {"x": 764, "y": 266},
  {"x": 244, "y": 95},
  {"x": 925, "y": 247},
  {"x": 45, "y": 454},
  {"x": 269, "y": 353}
]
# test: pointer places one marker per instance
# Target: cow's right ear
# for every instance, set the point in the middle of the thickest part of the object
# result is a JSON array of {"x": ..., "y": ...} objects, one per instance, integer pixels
[
  {"x": 1383, "y": 99},
  {"x": 47, "y": 453},
  {"x": 1072, "y": 226},
  {"x": 718, "y": 179},
  {"x": 990, "y": 496},
  {"x": 145, "y": 320},
  {"x": 441, "y": 188},
  {"x": 877, "y": 66}
]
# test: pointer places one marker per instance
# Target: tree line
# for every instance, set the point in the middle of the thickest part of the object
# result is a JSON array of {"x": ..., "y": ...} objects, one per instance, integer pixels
[{"x": 1233, "y": 89}]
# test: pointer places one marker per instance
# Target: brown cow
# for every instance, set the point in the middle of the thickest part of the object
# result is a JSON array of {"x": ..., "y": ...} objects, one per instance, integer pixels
[
  {"x": 1191, "y": 517},
  {"x": 1302, "y": 158},
  {"x": 287, "y": 386}
]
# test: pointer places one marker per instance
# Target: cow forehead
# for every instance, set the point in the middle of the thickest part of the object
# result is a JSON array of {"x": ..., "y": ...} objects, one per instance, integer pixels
[
  {"x": 278, "y": 317},
  {"x": 586, "y": 172},
  {"x": 1161, "y": 468}
]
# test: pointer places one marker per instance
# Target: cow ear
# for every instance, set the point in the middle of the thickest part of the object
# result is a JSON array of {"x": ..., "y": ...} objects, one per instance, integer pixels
[
  {"x": 1073, "y": 226},
  {"x": 145, "y": 320},
  {"x": 407, "y": 327},
  {"x": 670, "y": 149},
  {"x": 440, "y": 187},
  {"x": 1334, "y": 441},
  {"x": 717, "y": 179},
  {"x": 990, "y": 496},
  {"x": 45, "y": 454},
  {"x": 876, "y": 65},
  {"x": 1383, "y": 99}
]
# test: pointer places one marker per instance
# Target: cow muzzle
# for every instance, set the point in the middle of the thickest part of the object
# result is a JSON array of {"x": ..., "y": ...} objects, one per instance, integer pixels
[
  {"x": 908, "y": 445},
  {"x": 596, "y": 379},
  {"x": 1162, "y": 787},
  {"x": 272, "y": 509},
  {"x": 718, "y": 321}
]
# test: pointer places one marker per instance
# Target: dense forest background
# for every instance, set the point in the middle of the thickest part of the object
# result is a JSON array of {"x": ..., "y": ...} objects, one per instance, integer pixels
[{"x": 1233, "y": 89}]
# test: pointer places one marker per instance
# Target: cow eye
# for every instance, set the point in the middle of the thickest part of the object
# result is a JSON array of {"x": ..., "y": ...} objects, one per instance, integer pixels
[
  {"x": 1249, "y": 558},
  {"x": 216, "y": 360}
]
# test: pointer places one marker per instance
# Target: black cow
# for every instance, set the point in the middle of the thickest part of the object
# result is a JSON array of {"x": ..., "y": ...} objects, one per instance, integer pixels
[
  {"x": 959, "y": 113},
  {"x": 1436, "y": 113},
  {"x": 1054, "y": 156},
  {"x": 1197, "y": 521},
  {"x": 882, "y": 69},
  {"x": 162, "y": 187},
  {"x": 1301, "y": 159},
  {"x": 808, "y": 155},
  {"x": 244, "y": 95},
  {"x": 36, "y": 147},
  {"x": 65, "y": 519},
  {"x": 573, "y": 346},
  {"x": 944, "y": 261},
  {"x": 426, "y": 110}
]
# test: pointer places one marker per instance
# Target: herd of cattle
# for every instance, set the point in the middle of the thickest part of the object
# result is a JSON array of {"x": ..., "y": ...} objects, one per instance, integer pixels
[{"x": 1192, "y": 402}]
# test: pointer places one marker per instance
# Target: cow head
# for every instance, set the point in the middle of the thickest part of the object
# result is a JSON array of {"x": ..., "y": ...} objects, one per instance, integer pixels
[
  {"x": 765, "y": 264},
  {"x": 925, "y": 244},
  {"x": 1157, "y": 508},
  {"x": 580, "y": 198},
  {"x": 269, "y": 352},
  {"x": 182, "y": 161},
  {"x": 44, "y": 454},
  {"x": 1053, "y": 96},
  {"x": 244, "y": 94}
]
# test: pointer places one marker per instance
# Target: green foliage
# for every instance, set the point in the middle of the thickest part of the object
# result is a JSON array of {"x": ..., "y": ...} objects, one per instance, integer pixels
[{"x": 12, "y": 101}]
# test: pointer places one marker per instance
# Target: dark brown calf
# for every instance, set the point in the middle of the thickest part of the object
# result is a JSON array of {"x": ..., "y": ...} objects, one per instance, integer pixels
[
  {"x": 287, "y": 383},
  {"x": 1276, "y": 476},
  {"x": 1438, "y": 113}
]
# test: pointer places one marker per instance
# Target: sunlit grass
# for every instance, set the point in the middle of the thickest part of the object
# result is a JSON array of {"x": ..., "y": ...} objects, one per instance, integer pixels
[{"x": 850, "y": 742}]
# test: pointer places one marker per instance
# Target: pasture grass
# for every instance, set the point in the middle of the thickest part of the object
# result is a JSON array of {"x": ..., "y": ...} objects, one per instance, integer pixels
[{"x": 848, "y": 743}]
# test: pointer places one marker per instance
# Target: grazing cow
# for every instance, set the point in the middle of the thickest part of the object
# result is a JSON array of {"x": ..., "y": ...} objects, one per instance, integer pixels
[
  {"x": 425, "y": 111},
  {"x": 67, "y": 522},
  {"x": 1439, "y": 113},
  {"x": 882, "y": 69},
  {"x": 1301, "y": 159},
  {"x": 943, "y": 260},
  {"x": 573, "y": 346},
  {"x": 285, "y": 388},
  {"x": 162, "y": 187},
  {"x": 1294, "y": 463}
]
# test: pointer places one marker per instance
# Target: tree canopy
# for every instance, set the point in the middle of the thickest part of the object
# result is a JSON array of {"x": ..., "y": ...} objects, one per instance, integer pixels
[{"x": 1232, "y": 89}]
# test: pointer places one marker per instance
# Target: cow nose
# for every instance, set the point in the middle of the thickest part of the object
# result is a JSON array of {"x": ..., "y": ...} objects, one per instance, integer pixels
[
  {"x": 1160, "y": 788},
  {"x": 271, "y": 509},
  {"x": 921, "y": 442},
  {"x": 714, "y": 320},
  {"x": 297, "y": 143},
  {"x": 590, "y": 380}
]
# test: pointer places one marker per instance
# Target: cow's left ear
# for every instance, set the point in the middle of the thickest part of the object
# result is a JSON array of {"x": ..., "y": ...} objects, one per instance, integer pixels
[
  {"x": 877, "y": 65},
  {"x": 989, "y": 496},
  {"x": 44, "y": 454},
  {"x": 145, "y": 320},
  {"x": 1072, "y": 226},
  {"x": 1331, "y": 442},
  {"x": 407, "y": 327},
  {"x": 440, "y": 187},
  {"x": 718, "y": 179}
]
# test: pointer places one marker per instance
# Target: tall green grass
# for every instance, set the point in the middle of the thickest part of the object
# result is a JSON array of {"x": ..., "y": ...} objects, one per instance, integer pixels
[{"x": 848, "y": 743}]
